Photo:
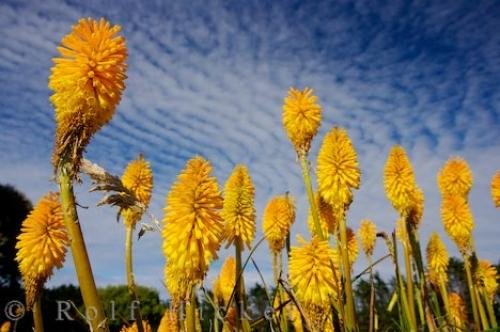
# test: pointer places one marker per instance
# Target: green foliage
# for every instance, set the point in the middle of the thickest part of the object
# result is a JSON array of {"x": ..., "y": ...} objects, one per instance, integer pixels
[
  {"x": 118, "y": 306},
  {"x": 383, "y": 293}
]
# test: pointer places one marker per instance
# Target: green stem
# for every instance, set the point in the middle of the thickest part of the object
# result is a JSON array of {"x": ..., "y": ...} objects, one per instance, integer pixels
[
  {"x": 446, "y": 301},
  {"x": 239, "y": 296},
  {"x": 94, "y": 309},
  {"x": 372, "y": 296},
  {"x": 475, "y": 312},
  {"x": 191, "y": 312},
  {"x": 491, "y": 311},
  {"x": 304, "y": 164},
  {"x": 410, "y": 287},
  {"x": 37, "y": 314},
  {"x": 401, "y": 288},
  {"x": 130, "y": 277},
  {"x": 346, "y": 268},
  {"x": 283, "y": 318},
  {"x": 482, "y": 313}
]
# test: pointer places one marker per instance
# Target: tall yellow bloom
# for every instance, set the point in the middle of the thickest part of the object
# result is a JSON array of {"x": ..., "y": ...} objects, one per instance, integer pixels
[
  {"x": 455, "y": 178},
  {"x": 458, "y": 311},
  {"x": 138, "y": 179},
  {"x": 352, "y": 246},
  {"x": 193, "y": 228},
  {"x": 134, "y": 328},
  {"x": 41, "y": 246},
  {"x": 367, "y": 234},
  {"x": 301, "y": 118},
  {"x": 399, "y": 180},
  {"x": 311, "y": 274},
  {"x": 227, "y": 278},
  {"x": 495, "y": 189},
  {"x": 279, "y": 216},
  {"x": 169, "y": 322},
  {"x": 486, "y": 278},
  {"x": 457, "y": 220},
  {"x": 238, "y": 210},
  {"x": 217, "y": 291},
  {"x": 177, "y": 284},
  {"x": 327, "y": 218},
  {"x": 337, "y": 168},
  {"x": 87, "y": 81},
  {"x": 437, "y": 260}
]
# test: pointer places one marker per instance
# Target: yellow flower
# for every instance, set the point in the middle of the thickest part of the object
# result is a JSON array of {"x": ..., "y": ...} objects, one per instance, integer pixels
[
  {"x": 138, "y": 179},
  {"x": 169, "y": 322},
  {"x": 177, "y": 284},
  {"x": 437, "y": 260},
  {"x": 367, "y": 234},
  {"x": 193, "y": 228},
  {"x": 486, "y": 278},
  {"x": 230, "y": 320},
  {"x": 301, "y": 118},
  {"x": 495, "y": 189},
  {"x": 318, "y": 316},
  {"x": 457, "y": 220},
  {"x": 238, "y": 210},
  {"x": 311, "y": 274},
  {"x": 455, "y": 178},
  {"x": 134, "y": 328},
  {"x": 352, "y": 246},
  {"x": 458, "y": 311},
  {"x": 279, "y": 216},
  {"x": 327, "y": 218},
  {"x": 337, "y": 168},
  {"x": 5, "y": 326},
  {"x": 217, "y": 291},
  {"x": 290, "y": 309},
  {"x": 87, "y": 82},
  {"x": 41, "y": 246},
  {"x": 295, "y": 318},
  {"x": 416, "y": 207},
  {"x": 399, "y": 180},
  {"x": 227, "y": 278}
]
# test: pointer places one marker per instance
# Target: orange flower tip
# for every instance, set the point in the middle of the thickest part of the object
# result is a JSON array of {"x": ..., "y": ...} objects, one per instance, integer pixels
[{"x": 301, "y": 118}]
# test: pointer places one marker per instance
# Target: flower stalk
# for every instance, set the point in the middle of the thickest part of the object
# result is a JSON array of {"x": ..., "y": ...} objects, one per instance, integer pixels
[
  {"x": 37, "y": 314},
  {"x": 346, "y": 269},
  {"x": 130, "y": 277},
  {"x": 81, "y": 260},
  {"x": 306, "y": 174}
]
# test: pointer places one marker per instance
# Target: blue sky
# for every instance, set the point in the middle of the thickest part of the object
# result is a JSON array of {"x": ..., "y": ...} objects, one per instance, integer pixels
[{"x": 209, "y": 78}]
